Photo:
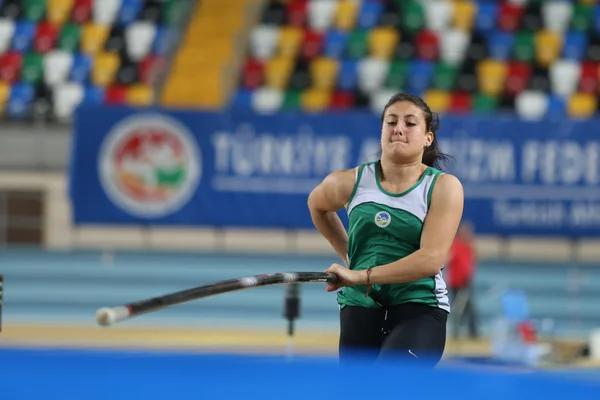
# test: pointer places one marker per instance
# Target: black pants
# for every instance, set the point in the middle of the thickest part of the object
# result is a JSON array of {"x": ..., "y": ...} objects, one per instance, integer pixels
[
  {"x": 412, "y": 333},
  {"x": 463, "y": 307}
]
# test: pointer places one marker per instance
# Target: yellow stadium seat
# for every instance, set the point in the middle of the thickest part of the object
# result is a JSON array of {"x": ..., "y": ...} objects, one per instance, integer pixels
[
  {"x": 93, "y": 37},
  {"x": 581, "y": 105},
  {"x": 140, "y": 95},
  {"x": 323, "y": 71},
  {"x": 290, "y": 40},
  {"x": 315, "y": 100},
  {"x": 277, "y": 72},
  {"x": 438, "y": 100},
  {"x": 105, "y": 68},
  {"x": 491, "y": 76},
  {"x": 345, "y": 15},
  {"x": 382, "y": 42},
  {"x": 59, "y": 10},
  {"x": 4, "y": 93},
  {"x": 464, "y": 15},
  {"x": 548, "y": 45}
]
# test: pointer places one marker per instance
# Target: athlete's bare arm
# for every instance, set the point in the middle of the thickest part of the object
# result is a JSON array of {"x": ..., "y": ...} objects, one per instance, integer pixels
[
  {"x": 329, "y": 196},
  {"x": 439, "y": 229}
]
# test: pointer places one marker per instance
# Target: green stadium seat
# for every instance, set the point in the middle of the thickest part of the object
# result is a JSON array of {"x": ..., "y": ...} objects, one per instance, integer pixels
[
  {"x": 358, "y": 44},
  {"x": 292, "y": 100},
  {"x": 397, "y": 73},
  {"x": 485, "y": 104},
  {"x": 34, "y": 10},
  {"x": 445, "y": 74},
  {"x": 581, "y": 19},
  {"x": 413, "y": 15},
  {"x": 32, "y": 70},
  {"x": 524, "y": 49},
  {"x": 69, "y": 37}
]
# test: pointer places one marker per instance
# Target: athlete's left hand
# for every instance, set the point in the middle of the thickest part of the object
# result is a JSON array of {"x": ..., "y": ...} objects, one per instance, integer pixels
[{"x": 347, "y": 277}]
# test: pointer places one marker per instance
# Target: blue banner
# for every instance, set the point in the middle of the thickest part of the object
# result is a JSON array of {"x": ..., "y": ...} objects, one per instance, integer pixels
[{"x": 235, "y": 169}]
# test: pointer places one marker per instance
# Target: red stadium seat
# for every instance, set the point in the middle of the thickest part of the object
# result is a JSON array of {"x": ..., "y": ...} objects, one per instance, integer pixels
[
  {"x": 116, "y": 94},
  {"x": 588, "y": 80},
  {"x": 460, "y": 102},
  {"x": 46, "y": 36},
  {"x": 518, "y": 77},
  {"x": 312, "y": 45},
  {"x": 342, "y": 100},
  {"x": 10, "y": 66},
  {"x": 297, "y": 12},
  {"x": 509, "y": 18},
  {"x": 82, "y": 11},
  {"x": 427, "y": 45},
  {"x": 252, "y": 74}
]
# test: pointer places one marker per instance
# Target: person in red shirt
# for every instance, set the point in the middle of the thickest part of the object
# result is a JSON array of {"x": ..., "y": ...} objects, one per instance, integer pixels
[{"x": 461, "y": 267}]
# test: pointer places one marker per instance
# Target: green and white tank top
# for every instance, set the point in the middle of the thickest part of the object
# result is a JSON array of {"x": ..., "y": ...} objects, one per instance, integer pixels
[{"x": 384, "y": 227}]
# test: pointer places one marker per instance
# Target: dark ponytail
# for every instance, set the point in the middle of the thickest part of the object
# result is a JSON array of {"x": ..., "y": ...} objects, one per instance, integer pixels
[{"x": 432, "y": 156}]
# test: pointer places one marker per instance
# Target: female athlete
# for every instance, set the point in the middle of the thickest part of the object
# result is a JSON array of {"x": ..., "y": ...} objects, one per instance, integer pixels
[{"x": 403, "y": 215}]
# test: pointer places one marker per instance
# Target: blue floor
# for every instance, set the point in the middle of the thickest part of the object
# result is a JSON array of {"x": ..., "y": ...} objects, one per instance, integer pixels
[{"x": 81, "y": 374}]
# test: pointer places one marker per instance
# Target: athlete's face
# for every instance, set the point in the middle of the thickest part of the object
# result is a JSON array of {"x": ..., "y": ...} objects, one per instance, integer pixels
[{"x": 404, "y": 131}]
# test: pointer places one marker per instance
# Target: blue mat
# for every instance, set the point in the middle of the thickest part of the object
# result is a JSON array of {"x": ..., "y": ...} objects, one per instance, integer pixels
[{"x": 84, "y": 374}]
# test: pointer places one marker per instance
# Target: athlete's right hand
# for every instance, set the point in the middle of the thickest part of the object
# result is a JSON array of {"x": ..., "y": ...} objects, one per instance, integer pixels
[{"x": 346, "y": 276}]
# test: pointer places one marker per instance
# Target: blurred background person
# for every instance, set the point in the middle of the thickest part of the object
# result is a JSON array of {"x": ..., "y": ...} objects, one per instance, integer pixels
[{"x": 462, "y": 266}]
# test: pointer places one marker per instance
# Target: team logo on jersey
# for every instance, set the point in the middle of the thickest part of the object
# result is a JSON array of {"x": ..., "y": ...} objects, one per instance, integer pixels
[
  {"x": 383, "y": 219},
  {"x": 149, "y": 165}
]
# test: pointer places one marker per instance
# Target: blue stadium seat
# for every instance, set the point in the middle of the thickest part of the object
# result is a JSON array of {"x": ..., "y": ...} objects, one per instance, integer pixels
[
  {"x": 596, "y": 19},
  {"x": 162, "y": 38},
  {"x": 369, "y": 14},
  {"x": 19, "y": 102},
  {"x": 93, "y": 95},
  {"x": 557, "y": 106},
  {"x": 487, "y": 16},
  {"x": 574, "y": 45},
  {"x": 348, "y": 75},
  {"x": 500, "y": 44},
  {"x": 243, "y": 99},
  {"x": 23, "y": 37},
  {"x": 81, "y": 68},
  {"x": 335, "y": 43},
  {"x": 420, "y": 74},
  {"x": 129, "y": 11}
]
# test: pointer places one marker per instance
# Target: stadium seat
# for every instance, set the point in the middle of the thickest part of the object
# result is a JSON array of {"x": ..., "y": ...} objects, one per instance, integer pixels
[
  {"x": 58, "y": 11},
  {"x": 324, "y": 72},
  {"x": 138, "y": 39},
  {"x": 486, "y": 16},
  {"x": 589, "y": 75},
  {"x": 557, "y": 106},
  {"x": 93, "y": 37},
  {"x": 277, "y": 72},
  {"x": 19, "y": 100},
  {"x": 397, "y": 73},
  {"x": 463, "y": 15},
  {"x": 556, "y": 15},
  {"x": 7, "y": 30},
  {"x": 93, "y": 95},
  {"x": 264, "y": 41},
  {"x": 335, "y": 43},
  {"x": 129, "y": 11},
  {"x": 34, "y": 10},
  {"x": 372, "y": 73},
  {"x": 23, "y": 35},
  {"x": 252, "y": 74},
  {"x": 564, "y": 77},
  {"x": 66, "y": 97},
  {"x": 105, "y": 69},
  {"x": 290, "y": 40},
  {"x": 509, "y": 16},
  {"x": 484, "y": 104},
  {"x": 445, "y": 76},
  {"x": 491, "y": 76},
  {"x": 32, "y": 70},
  {"x": 358, "y": 44},
  {"x": 547, "y": 47},
  {"x": 81, "y": 68},
  {"x": 266, "y": 100},
  {"x": 427, "y": 45},
  {"x": 81, "y": 12},
  {"x": 500, "y": 44},
  {"x": 420, "y": 76},
  {"x": 438, "y": 100},
  {"x": 297, "y": 12},
  {"x": 57, "y": 66},
  {"x": 105, "y": 12},
  {"x": 320, "y": 14},
  {"x": 453, "y": 45},
  {"x": 4, "y": 95},
  {"x": 69, "y": 38},
  {"x": 582, "y": 105},
  {"x": 292, "y": 100},
  {"x": 524, "y": 49},
  {"x": 531, "y": 105},
  {"x": 315, "y": 100},
  {"x": 369, "y": 14},
  {"x": 116, "y": 95},
  {"x": 345, "y": 15},
  {"x": 312, "y": 45},
  {"x": 460, "y": 102},
  {"x": 382, "y": 42},
  {"x": 45, "y": 37},
  {"x": 348, "y": 75},
  {"x": 140, "y": 95},
  {"x": 438, "y": 15},
  {"x": 412, "y": 16},
  {"x": 379, "y": 99},
  {"x": 341, "y": 100},
  {"x": 581, "y": 17},
  {"x": 574, "y": 45},
  {"x": 517, "y": 77},
  {"x": 10, "y": 66}
]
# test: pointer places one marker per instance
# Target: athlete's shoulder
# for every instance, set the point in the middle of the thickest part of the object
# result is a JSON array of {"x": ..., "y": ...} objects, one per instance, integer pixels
[{"x": 448, "y": 185}]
